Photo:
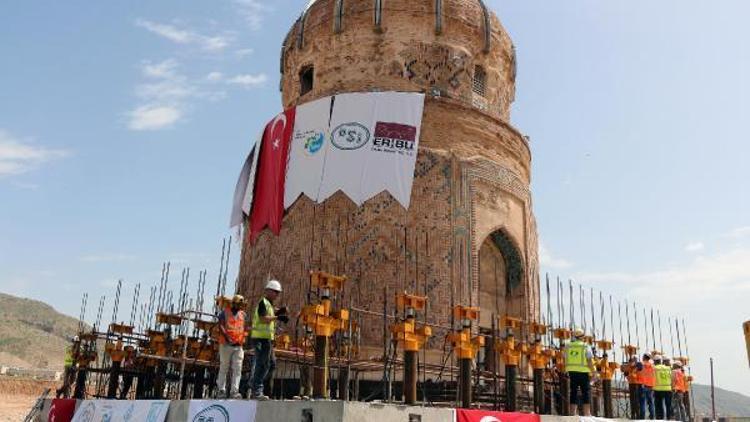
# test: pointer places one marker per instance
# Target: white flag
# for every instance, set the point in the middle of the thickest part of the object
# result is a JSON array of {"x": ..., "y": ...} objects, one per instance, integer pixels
[
  {"x": 247, "y": 202},
  {"x": 392, "y": 153},
  {"x": 307, "y": 152},
  {"x": 352, "y": 122},
  {"x": 236, "y": 218}
]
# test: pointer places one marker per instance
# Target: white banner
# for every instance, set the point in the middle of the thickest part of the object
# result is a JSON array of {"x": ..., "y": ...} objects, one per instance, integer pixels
[
  {"x": 237, "y": 216},
  {"x": 392, "y": 153},
  {"x": 247, "y": 201},
  {"x": 121, "y": 411},
  {"x": 222, "y": 411},
  {"x": 352, "y": 123},
  {"x": 307, "y": 153}
]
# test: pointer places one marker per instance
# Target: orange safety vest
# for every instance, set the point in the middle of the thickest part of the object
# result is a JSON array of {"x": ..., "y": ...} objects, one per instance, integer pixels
[
  {"x": 648, "y": 375},
  {"x": 633, "y": 376},
  {"x": 679, "y": 384},
  {"x": 235, "y": 325}
]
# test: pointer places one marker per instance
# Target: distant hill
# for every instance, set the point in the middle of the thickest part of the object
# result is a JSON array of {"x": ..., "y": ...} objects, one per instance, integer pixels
[
  {"x": 728, "y": 403},
  {"x": 33, "y": 334}
]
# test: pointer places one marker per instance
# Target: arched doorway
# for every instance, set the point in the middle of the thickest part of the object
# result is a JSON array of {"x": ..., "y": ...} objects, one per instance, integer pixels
[{"x": 501, "y": 274}]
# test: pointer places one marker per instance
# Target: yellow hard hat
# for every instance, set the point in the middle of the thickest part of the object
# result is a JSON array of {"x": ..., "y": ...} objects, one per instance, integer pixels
[{"x": 238, "y": 299}]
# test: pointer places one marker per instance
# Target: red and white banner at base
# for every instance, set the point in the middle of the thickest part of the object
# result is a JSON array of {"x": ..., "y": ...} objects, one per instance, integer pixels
[
  {"x": 122, "y": 411},
  {"x": 464, "y": 415},
  {"x": 222, "y": 410},
  {"x": 62, "y": 410},
  {"x": 358, "y": 143}
]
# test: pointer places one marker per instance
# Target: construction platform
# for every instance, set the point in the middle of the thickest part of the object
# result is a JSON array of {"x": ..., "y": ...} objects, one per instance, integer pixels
[{"x": 282, "y": 411}]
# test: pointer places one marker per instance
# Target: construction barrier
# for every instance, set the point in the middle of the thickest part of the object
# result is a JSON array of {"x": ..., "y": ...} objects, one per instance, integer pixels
[{"x": 122, "y": 410}]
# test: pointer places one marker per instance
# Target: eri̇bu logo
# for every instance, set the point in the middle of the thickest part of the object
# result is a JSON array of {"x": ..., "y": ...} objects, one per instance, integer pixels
[
  {"x": 213, "y": 413},
  {"x": 314, "y": 142},
  {"x": 394, "y": 138},
  {"x": 350, "y": 136}
]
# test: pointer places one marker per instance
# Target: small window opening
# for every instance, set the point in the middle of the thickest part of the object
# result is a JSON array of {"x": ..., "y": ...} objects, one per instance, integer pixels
[
  {"x": 306, "y": 79},
  {"x": 480, "y": 80}
]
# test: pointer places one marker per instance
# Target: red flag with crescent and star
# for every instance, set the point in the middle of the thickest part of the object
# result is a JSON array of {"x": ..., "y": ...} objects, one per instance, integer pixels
[
  {"x": 465, "y": 415},
  {"x": 268, "y": 201},
  {"x": 62, "y": 410}
]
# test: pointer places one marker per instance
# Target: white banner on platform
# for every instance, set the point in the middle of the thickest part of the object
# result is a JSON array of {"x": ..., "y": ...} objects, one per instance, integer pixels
[
  {"x": 121, "y": 411},
  {"x": 247, "y": 201},
  {"x": 307, "y": 153},
  {"x": 221, "y": 411}
]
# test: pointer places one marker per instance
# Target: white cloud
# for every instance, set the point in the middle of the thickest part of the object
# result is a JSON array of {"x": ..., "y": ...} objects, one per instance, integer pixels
[
  {"x": 113, "y": 257},
  {"x": 546, "y": 260},
  {"x": 248, "y": 81},
  {"x": 20, "y": 156},
  {"x": 739, "y": 232},
  {"x": 244, "y": 52},
  {"x": 153, "y": 117},
  {"x": 694, "y": 247},
  {"x": 252, "y": 11},
  {"x": 186, "y": 36},
  {"x": 214, "y": 76}
]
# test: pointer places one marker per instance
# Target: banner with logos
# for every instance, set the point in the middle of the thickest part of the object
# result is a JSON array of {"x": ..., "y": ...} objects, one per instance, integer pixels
[
  {"x": 122, "y": 411},
  {"x": 222, "y": 410},
  {"x": 465, "y": 415},
  {"x": 307, "y": 153}
]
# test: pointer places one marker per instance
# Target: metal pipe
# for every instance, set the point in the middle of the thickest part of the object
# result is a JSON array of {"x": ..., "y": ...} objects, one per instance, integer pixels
[
  {"x": 410, "y": 377},
  {"x": 320, "y": 369},
  {"x": 464, "y": 380}
]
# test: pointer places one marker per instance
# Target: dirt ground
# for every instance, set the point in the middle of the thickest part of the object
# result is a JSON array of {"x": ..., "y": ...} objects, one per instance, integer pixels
[{"x": 17, "y": 396}]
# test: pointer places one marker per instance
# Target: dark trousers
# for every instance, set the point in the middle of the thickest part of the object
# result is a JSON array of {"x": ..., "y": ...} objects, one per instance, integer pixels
[
  {"x": 265, "y": 362},
  {"x": 647, "y": 398},
  {"x": 663, "y": 402}
]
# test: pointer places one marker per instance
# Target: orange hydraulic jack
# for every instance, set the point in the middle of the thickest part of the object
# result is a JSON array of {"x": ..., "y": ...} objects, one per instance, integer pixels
[
  {"x": 512, "y": 350},
  {"x": 539, "y": 356},
  {"x": 465, "y": 346},
  {"x": 606, "y": 370},
  {"x": 324, "y": 322},
  {"x": 562, "y": 335},
  {"x": 411, "y": 337}
]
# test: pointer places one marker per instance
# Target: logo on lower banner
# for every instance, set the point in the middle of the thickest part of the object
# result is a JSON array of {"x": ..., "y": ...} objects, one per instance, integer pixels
[
  {"x": 88, "y": 412},
  {"x": 350, "y": 136},
  {"x": 313, "y": 141},
  {"x": 394, "y": 138},
  {"x": 213, "y": 413}
]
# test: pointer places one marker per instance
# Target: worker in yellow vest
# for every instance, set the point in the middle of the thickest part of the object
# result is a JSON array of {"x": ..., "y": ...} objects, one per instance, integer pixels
[
  {"x": 579, "y": 364},
  {"x": 663, "y": 388},
  {"x": 69, "y": 374},
  {"x": 232, "y": 328},
  {"x": 262, "y": 335}
]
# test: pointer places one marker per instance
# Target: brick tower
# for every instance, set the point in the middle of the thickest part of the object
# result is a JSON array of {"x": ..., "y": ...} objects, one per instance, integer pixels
[{"x": 469, "y": 236}]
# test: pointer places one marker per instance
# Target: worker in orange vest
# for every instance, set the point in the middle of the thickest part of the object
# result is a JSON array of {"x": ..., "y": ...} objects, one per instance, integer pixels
[
  {"x": 680, "y": 388},
  {"x": 232, "y": 322},
  {"x": 631, "y": 370},
  {"x": 647, "y": 375}
]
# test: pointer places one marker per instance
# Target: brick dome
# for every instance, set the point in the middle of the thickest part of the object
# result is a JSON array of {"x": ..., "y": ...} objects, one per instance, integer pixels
[{"x": 463, "y": 51}]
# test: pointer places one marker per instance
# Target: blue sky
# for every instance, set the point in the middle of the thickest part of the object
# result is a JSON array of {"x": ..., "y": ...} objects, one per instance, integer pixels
[{"x": 123, "y": 127}]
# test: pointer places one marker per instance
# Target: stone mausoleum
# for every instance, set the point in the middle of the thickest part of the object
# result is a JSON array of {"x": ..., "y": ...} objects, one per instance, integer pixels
[{"x": 469, "y": 236}]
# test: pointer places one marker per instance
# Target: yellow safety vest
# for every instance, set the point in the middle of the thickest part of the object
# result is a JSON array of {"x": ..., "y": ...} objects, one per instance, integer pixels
[
  {"x": 69, "y": 357},
  {"x": 575, "y": 358},
  {"x": 262, "y": 330},
  {"x": 663, "y": 378}
]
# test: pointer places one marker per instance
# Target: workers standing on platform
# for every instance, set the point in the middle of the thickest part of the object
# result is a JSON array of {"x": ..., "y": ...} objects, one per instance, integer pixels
[
  {"x": 232, "y": 326},
  {"x": 69, "y": 374},
  {"x": 632, "y": 371},
  {"x": 262, "y": 336},
  {"x": 663, "y": 388},
  {"x": 579, "y": 364},
  {"x": 648, "y": 379},
  {"x": 678, "y": 396}
]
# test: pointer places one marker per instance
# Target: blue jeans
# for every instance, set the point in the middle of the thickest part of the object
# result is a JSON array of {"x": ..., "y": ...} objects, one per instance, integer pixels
[
  {"x": 647, "y": 396},
  {"x": 264, "y": 362}
]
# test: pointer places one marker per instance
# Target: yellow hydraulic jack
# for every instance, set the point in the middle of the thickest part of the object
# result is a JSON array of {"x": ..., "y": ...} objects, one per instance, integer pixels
[
  {"x": 412, "y": 338},
  {"x": 562, "y": 335},
  {"x": 465, "y": 346},
  {"x": 511, "y": 350},
  {"x": 539, "y": 357},
  {"x": 607, "y": 371},
  {"x": 324, "y": 322}
]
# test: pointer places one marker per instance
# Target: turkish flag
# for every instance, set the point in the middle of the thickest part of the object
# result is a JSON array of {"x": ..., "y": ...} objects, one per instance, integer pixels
[
  {"x": 464, "y": 415},
  {"x": 268, "y": 201},
  {"x": 62, "y": 410}
]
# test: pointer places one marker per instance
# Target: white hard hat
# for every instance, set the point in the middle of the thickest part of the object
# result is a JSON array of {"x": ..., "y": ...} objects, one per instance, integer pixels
[{"x": 274, "y": 285}]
